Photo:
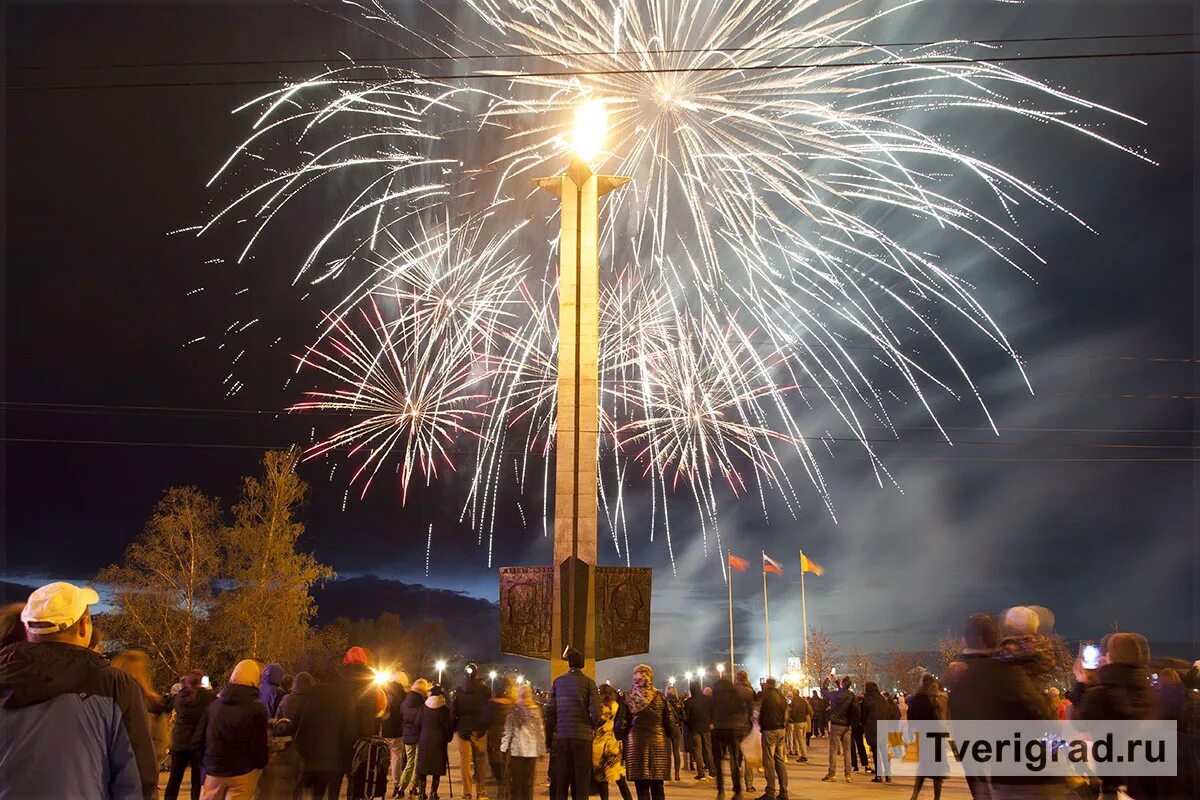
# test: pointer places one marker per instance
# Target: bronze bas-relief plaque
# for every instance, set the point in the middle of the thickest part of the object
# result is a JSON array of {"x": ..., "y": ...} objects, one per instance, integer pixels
[
  {"x": 622, "y": 611},
  {"x": 525, "y": 594}
]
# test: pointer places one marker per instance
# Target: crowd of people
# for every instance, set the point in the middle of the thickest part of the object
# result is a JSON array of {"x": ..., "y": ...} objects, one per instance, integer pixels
[{"x": 76, "y": 724}]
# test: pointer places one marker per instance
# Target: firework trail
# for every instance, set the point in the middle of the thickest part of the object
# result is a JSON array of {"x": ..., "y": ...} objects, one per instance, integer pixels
[{"x": 764, "y": 262}]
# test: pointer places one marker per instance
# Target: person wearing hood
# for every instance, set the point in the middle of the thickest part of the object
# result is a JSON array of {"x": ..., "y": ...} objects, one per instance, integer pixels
[
  {"x": 363, "y": 702},
  {"x": 232, "y": 737},
  {"x": 316, "y": 712},
  {"x": 271, "y": 691},
  {"x": 466, "y": 717},
  {"x": 189, "y": 705},
  {"x": 495, "y": 714},
  {"x": 524, "y": 742},
  {"x": 651, "y": 728},
  {"x": 410, "y": 717},
  {"x": 73, "y": 726},
  {"x": 434, "y": 733}
]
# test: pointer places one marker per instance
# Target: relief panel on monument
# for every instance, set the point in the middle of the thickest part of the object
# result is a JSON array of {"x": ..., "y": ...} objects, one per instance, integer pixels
[
  {"x": 622, "y": 611},
  {"x": 525, "y": 594}
]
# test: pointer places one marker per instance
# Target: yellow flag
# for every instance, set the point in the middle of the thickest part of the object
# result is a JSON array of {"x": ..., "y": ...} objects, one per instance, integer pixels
[{"x": 808, "y": 565}]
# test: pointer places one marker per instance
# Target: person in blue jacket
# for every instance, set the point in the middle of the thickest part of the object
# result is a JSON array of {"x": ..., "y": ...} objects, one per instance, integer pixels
[{"x": 71, "y": 725}]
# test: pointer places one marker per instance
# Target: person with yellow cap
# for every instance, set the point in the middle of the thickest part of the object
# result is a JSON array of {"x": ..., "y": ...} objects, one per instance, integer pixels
[
  {"x": 232, "y": 737},
  {"x": 72, "y": 725}
]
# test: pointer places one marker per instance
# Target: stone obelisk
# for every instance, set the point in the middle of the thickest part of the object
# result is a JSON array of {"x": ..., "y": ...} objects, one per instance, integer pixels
[
  {"x": 573, "y": 609},
  {"x": 601, "y": 611}
]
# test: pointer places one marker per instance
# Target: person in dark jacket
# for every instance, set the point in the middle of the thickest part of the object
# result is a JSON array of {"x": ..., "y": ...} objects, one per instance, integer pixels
[
  {"x": 800, "y": 715},
  {"x": 772, "y": 726},
  {"x": 434, "y": 732},
  {"x": 232, "y": 736},
  {"x": 76, "y": 726},
  {"x": 316, "y": 712},
  {"x": 495, "y": 714},
  {"x": 410, "y": 713},
  {"x": 676, "y": 707},
  {"x": 651, "y": 728},
  {"x": 819, "y": 706},
  {"x": 1121, "y": 690},
  {"x": 363, "y": 702},
  {"x": 842, "y": 709},
  {"x": 984, "y": 688},
  {"x": 858, "y": 743},
  {"x": 572, "y": 712},
  {"x": 732, "y": 711},
  {"x": 189, "y": 706},
  {"x": 466, "y": 716},
  {"x": 271, "y": 691},
  {"x": 284, "y": 773},
  {"x": 874, "y": 710},
  {"x": 928, "y": 704},
  {"x": 697, "y": 712}
]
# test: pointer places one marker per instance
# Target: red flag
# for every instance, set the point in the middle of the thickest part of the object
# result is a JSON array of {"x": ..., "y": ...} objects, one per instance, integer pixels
[
  {"x": 740, "y": 564},
  {"x": 808, "y": 565},
  {"x": 771, "y": 565}
]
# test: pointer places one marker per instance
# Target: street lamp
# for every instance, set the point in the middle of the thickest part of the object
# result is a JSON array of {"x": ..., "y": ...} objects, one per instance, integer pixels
[
  {"x": 671, "y": 681},
  {"x": 721, "y": 669},
  {"x": 688, "y": 676},
  {"x": 700, "y": 676},
  {"x": 520, "y": 680},
  {"x": 440, "y": 666},
  {"x": 492, "y": 675}
]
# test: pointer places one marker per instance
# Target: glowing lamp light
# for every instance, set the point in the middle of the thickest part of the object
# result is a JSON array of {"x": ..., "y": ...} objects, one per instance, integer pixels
[
  {"x": 382, "y": 677},
  {"x": 492, "y": 674},
  {"x": 520, "y": 680},
  {"x": 439, "y": 666},
  {"x": 591, "y": 124},
  {"x": 671, "y": 681},
  {"x": 688, "y": 676},
  {"x": 721, "y": 668}
]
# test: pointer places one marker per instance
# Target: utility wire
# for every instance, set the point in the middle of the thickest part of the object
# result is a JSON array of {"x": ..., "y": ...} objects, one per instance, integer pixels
[
  {"x": 1031, "y": 459},
  {"x": 341, "y": 57},
  {"x": 511, "y": 76}
]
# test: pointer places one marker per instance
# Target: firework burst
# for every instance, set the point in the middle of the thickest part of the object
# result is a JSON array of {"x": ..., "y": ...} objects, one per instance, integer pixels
[{"x": 780, "y": 245}]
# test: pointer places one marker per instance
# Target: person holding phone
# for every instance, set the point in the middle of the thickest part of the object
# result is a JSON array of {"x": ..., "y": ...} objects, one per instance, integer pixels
[{"x": 189, "y": 705}]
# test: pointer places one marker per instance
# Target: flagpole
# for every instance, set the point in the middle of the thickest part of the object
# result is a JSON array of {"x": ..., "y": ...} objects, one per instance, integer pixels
[
  {"x": 729, "y": 583},
  {"x": 766, "y": 614},
  {"x": 804, "y": 613}
]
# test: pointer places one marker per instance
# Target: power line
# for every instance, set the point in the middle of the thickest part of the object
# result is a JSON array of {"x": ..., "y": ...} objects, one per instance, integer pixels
[
  {"x": 510, "y": 76},
  {"x": 1045, "y": 459},
  {"x": 440, "y": 57},
  {"x": 114, "y": 409}
]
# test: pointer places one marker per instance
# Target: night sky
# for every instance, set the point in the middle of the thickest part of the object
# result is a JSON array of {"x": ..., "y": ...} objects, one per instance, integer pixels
[{"x": 1085, "y": 502}]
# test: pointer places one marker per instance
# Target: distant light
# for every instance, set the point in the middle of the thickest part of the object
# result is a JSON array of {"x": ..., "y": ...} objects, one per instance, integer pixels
[
  {"x": 671, "y": 681},
  {"x": 520, "y": 680},
  {"x": 382, "y": 677},
  {"x": 688, "y": 675},
  {"x": 440, "y": 665},
  {"x": 492, "y": 674}
]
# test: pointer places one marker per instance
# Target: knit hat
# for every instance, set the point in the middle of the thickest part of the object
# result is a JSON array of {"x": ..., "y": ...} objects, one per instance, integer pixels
[
  {"x": 1021, "y": 621},
  {"x": 1128, "y": 648},
  {"x": 303, "y": 682},
  {"x": 421, "y": 685},
  {"x": 357, "y": 655},
  {"x": 246, "y": 673},
  {"x": 401, "y": 677}
]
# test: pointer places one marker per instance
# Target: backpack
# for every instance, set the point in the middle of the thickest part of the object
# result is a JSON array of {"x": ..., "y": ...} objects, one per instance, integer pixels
[{"x": 369, "y": 769}]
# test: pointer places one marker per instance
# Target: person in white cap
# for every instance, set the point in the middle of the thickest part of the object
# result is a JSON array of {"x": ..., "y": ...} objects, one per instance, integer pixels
[{"x": 71, "y": 725}]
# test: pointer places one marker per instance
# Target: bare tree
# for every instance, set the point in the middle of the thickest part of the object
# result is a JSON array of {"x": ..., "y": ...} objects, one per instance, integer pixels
[
  {"x": 822, "y": 655},
  {"x": 862, "y": 666},
  {"x": 266, "y": 612},
  {"x": 163, "y": 589},
  {"x": 949, "y": 648},
  {"x": 901, "y": 670}
]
